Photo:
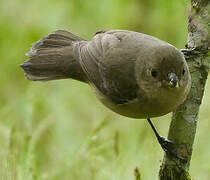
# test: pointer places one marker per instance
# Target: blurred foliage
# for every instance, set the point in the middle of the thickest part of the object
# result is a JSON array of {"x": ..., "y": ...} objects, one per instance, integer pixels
[{"x": 59, "y": 130}]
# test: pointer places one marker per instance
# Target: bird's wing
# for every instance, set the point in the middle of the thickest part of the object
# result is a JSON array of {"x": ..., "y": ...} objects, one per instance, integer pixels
[{"x": 109, "y": 63}]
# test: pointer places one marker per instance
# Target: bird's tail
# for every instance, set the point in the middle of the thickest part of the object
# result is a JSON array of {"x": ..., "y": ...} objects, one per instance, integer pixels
[{"x": 52, "y": 58}]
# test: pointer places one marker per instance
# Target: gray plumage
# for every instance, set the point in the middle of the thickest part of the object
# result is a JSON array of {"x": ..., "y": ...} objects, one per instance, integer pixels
[{"x": 134, "y": 74}]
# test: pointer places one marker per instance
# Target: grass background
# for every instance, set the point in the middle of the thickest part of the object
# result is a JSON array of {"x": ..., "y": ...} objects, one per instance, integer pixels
[{"x": 59, "y": 130}]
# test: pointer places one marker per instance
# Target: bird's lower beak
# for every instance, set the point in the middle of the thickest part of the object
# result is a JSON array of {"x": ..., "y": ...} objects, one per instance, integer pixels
[{"x": 173, "y": 80}]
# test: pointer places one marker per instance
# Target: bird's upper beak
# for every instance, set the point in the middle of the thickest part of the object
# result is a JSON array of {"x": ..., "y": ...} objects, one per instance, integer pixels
[{"x": 173, "y": 80}]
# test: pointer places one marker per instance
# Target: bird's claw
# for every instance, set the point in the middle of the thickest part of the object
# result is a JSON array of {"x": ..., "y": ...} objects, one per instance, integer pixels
[
  {"x": 189, "y": 53},
  {"x": 168, "y": 146}
]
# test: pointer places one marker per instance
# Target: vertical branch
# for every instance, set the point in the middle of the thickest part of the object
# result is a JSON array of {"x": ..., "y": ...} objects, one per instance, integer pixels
[{"x": 184, "y": 120}]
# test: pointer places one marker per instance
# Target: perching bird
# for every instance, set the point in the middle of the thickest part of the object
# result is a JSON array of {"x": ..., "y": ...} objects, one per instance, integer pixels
[{"x": 133, "y": 74}]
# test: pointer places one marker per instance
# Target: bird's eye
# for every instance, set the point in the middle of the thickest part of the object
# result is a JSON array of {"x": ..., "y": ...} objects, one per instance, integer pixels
[
  {"x": 154, "y": 73},
  {"x": 183, "y": 72}
]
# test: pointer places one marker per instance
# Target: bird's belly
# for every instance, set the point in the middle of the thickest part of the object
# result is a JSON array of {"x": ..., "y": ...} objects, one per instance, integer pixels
[{"x": 136, "y": 108}]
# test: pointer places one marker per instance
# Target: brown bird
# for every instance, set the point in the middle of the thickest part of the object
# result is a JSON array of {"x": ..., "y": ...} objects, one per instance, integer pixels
[{"x": 133, "y": 74}]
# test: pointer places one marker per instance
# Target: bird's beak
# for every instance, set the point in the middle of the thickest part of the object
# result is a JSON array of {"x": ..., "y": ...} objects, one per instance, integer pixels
[{"x": 173, "y": 80}]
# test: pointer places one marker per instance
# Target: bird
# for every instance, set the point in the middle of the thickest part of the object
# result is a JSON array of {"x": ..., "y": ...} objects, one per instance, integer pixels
[{"x": 133, "y": 74}]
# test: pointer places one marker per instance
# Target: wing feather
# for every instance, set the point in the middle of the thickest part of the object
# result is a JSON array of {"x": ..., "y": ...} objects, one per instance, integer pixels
[{"x": 109, "y": 66}]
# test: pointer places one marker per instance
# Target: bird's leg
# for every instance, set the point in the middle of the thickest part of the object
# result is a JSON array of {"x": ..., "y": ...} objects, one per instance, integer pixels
[{"x": 165, "y": 143}]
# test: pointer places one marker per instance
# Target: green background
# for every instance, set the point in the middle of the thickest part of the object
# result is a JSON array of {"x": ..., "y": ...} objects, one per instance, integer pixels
[{"x": 58, "y": 129}]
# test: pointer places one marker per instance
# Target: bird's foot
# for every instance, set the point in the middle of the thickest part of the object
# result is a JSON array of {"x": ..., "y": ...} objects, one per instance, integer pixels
[
  {"x": 189, "y": 53},
  {"x": 168, "y": 146}
]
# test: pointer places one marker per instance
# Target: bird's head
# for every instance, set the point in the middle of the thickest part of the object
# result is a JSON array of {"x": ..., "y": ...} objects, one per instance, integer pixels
[{"x": 165, "y": 78}]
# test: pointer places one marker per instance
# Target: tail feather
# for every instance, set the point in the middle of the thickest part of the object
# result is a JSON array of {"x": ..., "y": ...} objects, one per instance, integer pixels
[{"x": 52, "y": 58}]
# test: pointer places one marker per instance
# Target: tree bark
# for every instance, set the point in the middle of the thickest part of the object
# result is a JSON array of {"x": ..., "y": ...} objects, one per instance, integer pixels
[{"x": 184, "y": 120}]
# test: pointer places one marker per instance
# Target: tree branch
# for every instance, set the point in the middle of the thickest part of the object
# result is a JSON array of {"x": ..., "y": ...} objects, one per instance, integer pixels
[{"x": 184, "y": 120}]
